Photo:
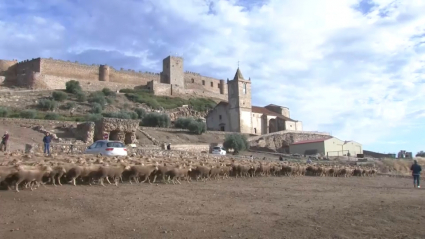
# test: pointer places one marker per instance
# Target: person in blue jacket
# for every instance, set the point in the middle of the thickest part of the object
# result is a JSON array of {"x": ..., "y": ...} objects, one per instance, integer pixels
[
  {"x": 46, "y": 140},
  {"x": 416, "y": 173}
]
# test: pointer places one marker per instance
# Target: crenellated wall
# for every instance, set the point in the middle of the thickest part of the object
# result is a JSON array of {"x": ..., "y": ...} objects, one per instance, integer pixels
[{"x": 42, "y": 73}]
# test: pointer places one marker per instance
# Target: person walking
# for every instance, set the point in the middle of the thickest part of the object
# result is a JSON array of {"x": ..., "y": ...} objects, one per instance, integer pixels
[
  {"x": 4, "y": 139},
  {"x": 416, "y": 173},
  {"x": 46, "y": 140}
]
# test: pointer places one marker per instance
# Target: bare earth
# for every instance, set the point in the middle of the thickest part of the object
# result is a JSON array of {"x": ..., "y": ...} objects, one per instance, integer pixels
[{"x": 272, "y": 207}]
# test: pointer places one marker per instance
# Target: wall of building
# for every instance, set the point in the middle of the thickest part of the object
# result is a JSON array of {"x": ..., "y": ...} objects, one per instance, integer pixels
[
  {"x": 245, "y": 121},
  {"x": 7, "y": 67},
  {"x": 257, "y": 123},
  {"x": 353, "y": 147},
  {"x": 197, "y": 81},
  {"x": 334, "y": 147},
  {"x": 58, "y": 82},
  {"x": 217, "y": 117},
  {"x": 302, "y": 148}
]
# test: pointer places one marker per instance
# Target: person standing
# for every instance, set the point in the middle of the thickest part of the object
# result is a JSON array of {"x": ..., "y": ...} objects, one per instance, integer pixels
[
  {"x": 416, "y": 173},
  {"x": 4, "y": 139},
  {"x": 46, "y": 140}
]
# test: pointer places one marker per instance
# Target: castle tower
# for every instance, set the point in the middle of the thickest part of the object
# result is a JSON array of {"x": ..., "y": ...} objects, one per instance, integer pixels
[
  {"x": 240, "y": 108},
  {"x": 172, "y": 71},
  {"x": 103, "y": 73}
]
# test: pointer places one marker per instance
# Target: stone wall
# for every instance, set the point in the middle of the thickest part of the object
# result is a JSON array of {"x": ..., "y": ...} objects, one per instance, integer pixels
[
  {"x": 123, "y": 130},
  {"x": 132, "y": 77},
  {"x": 191, "y": 147},
  {"x": 69, "y": 69},
  {"x": 58, "y": 82},
  {"x": 85, "y": 132},
  {"x": 280, "y": 141}
]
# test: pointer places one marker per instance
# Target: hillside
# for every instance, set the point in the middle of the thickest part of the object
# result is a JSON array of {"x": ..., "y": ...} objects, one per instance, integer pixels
[{"x": 78, "y": 106}]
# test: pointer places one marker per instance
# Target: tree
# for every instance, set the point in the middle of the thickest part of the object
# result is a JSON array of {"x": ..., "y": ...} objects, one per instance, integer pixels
[
  {"x": 197, "y": 127},
  {"x": 420, "y": 154},
  {"x": 72, "y": 86},
  {"x": 59, "y": 95},
  {"x": 237, "y": 142}
]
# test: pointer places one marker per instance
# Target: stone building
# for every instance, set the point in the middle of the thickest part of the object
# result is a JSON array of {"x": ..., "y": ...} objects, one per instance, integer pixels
[
  {"x": 238, "y": 114},
  {"x": 326, "y": 146}
]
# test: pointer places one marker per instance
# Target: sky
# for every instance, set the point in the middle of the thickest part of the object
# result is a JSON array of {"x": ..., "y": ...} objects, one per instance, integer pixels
[{"x": 352, "y": 68}]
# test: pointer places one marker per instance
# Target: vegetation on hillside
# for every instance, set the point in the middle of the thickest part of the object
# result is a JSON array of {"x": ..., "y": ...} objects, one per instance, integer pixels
[
  {"x": 158, "y": 102},
  {"x": 195, "y": 126}
]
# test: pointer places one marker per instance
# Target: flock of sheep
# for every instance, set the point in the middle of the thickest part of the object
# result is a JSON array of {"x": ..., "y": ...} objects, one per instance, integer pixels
[{"x": 25, "y": 172}]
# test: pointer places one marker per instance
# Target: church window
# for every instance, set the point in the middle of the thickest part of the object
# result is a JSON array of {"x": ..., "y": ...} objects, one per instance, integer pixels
[
  {"x": 203, "y": 82},
  {"x": 193, "y": 80},
  {"x": 244, "y": 88},
  {"x": 219, "y": 116},
  {"x": 212, "y": 84}
]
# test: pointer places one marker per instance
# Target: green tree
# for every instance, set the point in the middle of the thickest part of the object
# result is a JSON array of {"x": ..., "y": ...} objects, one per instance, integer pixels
[
  {"x": 156, "y": 120},
  {"x": 237, "y": 142},
  {"x": 46, "y": 104},
  {"x": 73, "y": 87},
  {"x": 197, "y": 127},
  {"x": 59, "y": 96}
]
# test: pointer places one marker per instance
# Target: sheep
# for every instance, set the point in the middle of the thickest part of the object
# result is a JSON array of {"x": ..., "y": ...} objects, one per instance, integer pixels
[
  {"x": 31, "y": 175},
  {"x": 57, "y": 171},
  {"x": 82, "y": 172},
  {"x": 163, "y": 170},
  {"x": 113, "y": 172},
  {"x": 137, "y": 171},
  {"x": 180, "y": 172},
  {"x": 6, "y": 172}
]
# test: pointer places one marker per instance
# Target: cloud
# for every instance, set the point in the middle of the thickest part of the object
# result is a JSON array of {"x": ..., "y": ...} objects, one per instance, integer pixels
[{"x": 350, "y": 67}]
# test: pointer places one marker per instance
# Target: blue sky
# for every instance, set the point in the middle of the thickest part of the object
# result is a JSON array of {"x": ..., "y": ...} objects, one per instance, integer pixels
[{"x": 349, "y": 67}]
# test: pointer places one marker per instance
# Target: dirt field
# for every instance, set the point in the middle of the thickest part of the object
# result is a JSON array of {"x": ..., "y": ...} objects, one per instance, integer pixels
[{"x": 272, "y": 207}]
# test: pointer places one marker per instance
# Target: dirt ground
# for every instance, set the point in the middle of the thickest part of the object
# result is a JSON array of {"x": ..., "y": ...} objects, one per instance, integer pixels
[{"x": 272, "y": 207}]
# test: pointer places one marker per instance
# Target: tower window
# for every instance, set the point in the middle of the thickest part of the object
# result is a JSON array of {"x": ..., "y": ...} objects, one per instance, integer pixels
[
  {"x": 244, "y": 88},
  {"x": 212, "y": 84},
  {"x": 219, "y": 116},
  {"x": 203, "y": 82},
  {"x": 193, "y": 80}
]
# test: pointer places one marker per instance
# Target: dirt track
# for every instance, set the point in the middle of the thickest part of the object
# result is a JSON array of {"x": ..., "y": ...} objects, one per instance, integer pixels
[{"x": 273, "y": 207}]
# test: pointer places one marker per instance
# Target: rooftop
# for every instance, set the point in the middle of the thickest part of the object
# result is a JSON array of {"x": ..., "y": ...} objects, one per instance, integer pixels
[{"x": 312, "y": 141}]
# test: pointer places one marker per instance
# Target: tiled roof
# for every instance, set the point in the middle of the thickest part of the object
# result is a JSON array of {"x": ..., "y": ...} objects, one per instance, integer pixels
[
  {"x": 262, "y": 110},
  {"x": 312, "y": 141}
]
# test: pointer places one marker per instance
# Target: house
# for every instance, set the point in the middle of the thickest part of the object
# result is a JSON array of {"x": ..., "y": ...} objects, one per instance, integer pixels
[{"x": 328, "y": 146}]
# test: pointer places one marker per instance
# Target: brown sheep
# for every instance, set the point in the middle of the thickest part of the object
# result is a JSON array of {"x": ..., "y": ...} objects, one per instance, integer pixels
[
  {"x": 138, "y": 171},
  {"x": 114, "y": 172},
  {"x": 57, "y": 171},
  {"x": 179, "y": 173},
  {"x": 31, "y": 175}
]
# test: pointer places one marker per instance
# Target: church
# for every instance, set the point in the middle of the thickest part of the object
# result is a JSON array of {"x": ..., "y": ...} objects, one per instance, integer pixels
[{"x": 238, "y": 114}]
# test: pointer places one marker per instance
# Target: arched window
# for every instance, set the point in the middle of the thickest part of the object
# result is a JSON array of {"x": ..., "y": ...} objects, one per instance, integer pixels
[{"x": 244, "y": 88}]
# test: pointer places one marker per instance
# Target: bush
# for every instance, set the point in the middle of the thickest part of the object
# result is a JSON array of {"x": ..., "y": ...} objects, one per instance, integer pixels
[
  {"x": 52, "y": 116},
  {"x": 4, "y": 112},
  {"x": 108, "y": 92},
  {"x": 183, "y": 123},
  {"x": 109, "y": 101},
  {"x": 73, "y": 87},
  {"x": 197, "y": 127},
  {"x": 97, "y": 97},
  {"x": 93, "y": 117},
  {"x": 156, "y": 120},
  {"x": 121, "y": 115},
  {"x": 28, "y": 114},
  {"x": 81, "y": 96},
  {"x": 96, "y": 108},
  {"x": 59, "y": 95},
  {"x": 46, "y": 104},
  {"x": 141, "y": 113},
  {"x": 70, "y": 105},
  {"x": 238, "y": 142}
]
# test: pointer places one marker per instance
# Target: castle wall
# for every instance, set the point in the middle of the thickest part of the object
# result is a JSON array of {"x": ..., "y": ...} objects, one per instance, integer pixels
[
  {"x": 197, "y": 81},
  {"x": 68, "y": 69},
  {"x": 7, "y": 66},
  {"x": 58, "y": 82},
  {"x": 132, "y": 77}
]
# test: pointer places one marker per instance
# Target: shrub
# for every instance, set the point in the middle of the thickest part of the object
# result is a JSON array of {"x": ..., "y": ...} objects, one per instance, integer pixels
[
  {"x": 81, "y": 96},
  {"x": 197, "y": 127},
  {"x": 52, "y": 116},
  {"x": 93, "y": 117},
  {"x": 97, "y": 97},
  {"x": 121, "y": 115},
  {"x": 96, "y": 108},
  {"x": 46, "y": 104},
  {"x": 238, "y": 142},
  {"x": 4, "y": 112},
  {"x": 109, "y": 101},
  {"x": 59, "y": 95},
  {"x": 156, "y": 120},
  {"x": 70, "y": 105},
  {"x": 141, "y": 113},
  {"x": 108, "y": 92},
  {"x": 183, "y": 123},
  {"x": 126, "y": 106},
  {"x": 73, "y": 87},
  {"x": 28, "y": 114}
]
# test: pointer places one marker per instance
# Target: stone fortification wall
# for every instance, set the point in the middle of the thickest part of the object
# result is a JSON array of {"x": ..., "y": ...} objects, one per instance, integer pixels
[
  {"x": 69, "y": 69},
  {"x": 132, "y": 77},
  {"x": 7, "y": 67}
]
